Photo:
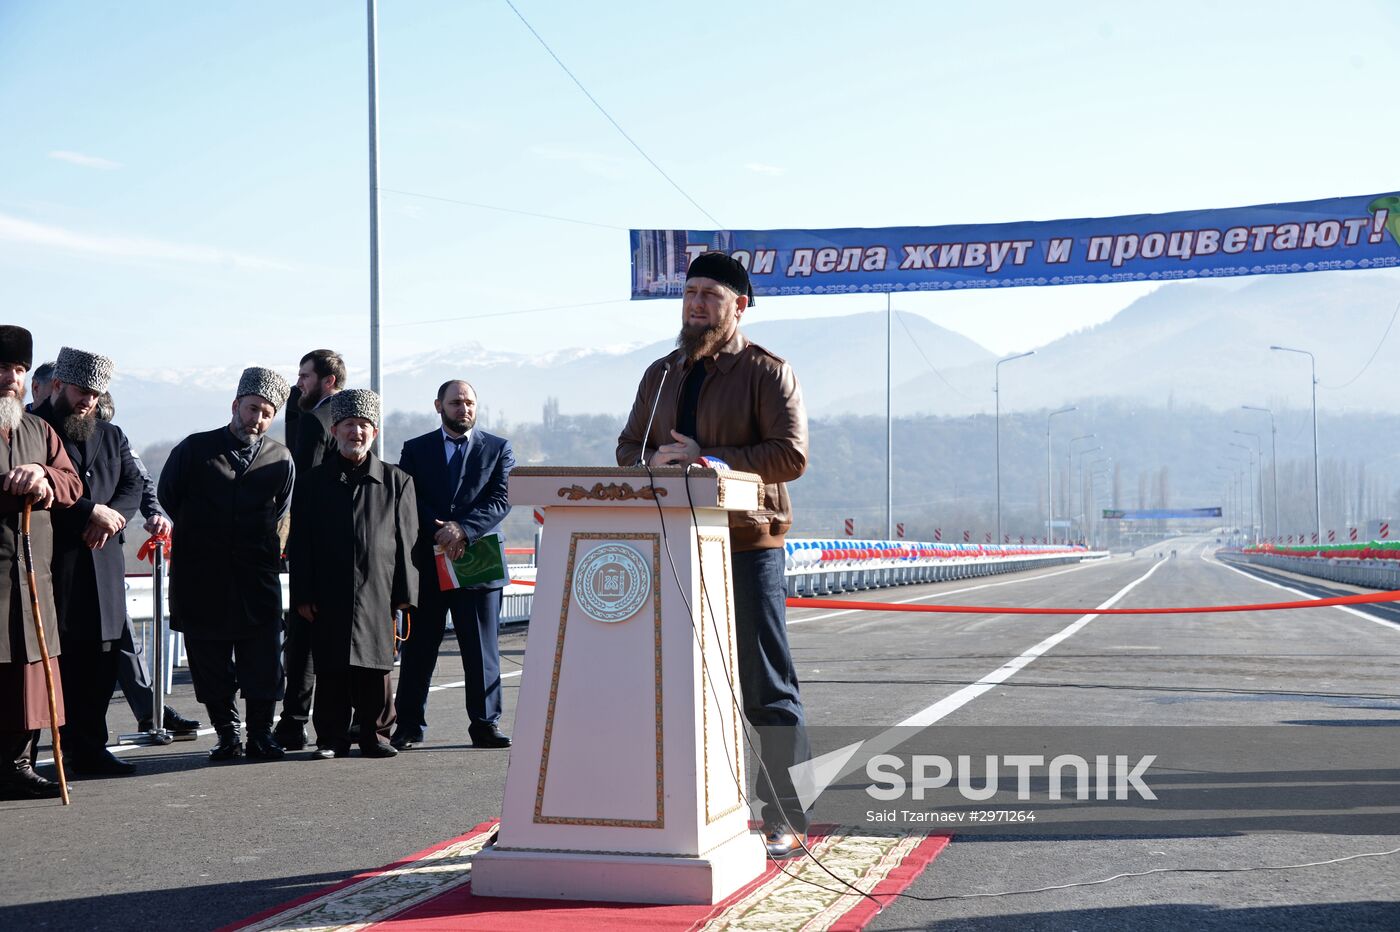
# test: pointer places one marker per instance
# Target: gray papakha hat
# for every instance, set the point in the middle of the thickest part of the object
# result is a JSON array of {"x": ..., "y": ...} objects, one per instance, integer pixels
[
  {"x": 355, "y": 402},
  {"x": 263, "y": 382},
  {"x": 83, "y": 369}
]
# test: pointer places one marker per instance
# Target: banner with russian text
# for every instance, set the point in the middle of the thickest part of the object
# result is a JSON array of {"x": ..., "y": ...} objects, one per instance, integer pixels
[{"x": 1360, "y": 232}]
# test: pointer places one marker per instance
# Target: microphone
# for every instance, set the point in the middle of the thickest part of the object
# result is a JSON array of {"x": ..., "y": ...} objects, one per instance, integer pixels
[{"x": 646, "y": 435}]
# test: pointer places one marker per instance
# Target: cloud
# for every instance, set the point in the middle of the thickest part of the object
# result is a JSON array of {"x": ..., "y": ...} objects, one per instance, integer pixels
[
  {"x": 762, "y": 169},
  {"x": 86, "y": 161},
  {"x": 16, "y": 230}
]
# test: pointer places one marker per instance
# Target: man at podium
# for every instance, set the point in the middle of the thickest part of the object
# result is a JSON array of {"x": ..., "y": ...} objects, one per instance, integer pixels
[{"x": 720, "y": 395}]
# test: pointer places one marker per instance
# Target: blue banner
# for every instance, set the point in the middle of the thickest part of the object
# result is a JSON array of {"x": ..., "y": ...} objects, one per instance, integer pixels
[
  {"x": 1157, "y": 514},
  {"x": 1311, "y": 236}
]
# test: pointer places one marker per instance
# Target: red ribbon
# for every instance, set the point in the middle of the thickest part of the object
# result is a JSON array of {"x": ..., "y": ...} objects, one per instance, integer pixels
[
  {"x": 1365, "y": 598},
  {"x": 147, "y": 550}
]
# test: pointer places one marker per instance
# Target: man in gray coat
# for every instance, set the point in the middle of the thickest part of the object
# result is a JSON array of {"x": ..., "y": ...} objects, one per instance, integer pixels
[
  {"x": 226, "y": 490},
  {"x": 354, "y": 521}
]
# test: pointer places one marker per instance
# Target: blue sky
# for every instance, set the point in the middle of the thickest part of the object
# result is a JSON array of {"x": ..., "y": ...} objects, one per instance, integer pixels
[{"x": 185, "y": 183}]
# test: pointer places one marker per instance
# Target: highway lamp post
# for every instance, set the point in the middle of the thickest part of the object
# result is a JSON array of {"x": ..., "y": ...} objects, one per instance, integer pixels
[
  {"x": 1249, "y": 490},
  {"x": 1317, "y": 489},
  {"x": 375, "y": 375},
  {"x": 1259, "y": 485},
  {"x": 1094, "y": 497},
  {"x": 1273, "y": 462},
  {"x": 1232, "y": 518},
  {"x": 996, "y": 390},
  {"x": 1069, "y": 479},
  {"x": 1084, "y": 511},
  {"x": 1050, "y": 477}
]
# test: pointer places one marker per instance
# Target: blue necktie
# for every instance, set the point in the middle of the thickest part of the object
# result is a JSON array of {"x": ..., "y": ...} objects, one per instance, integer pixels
[{"x": 454, "y": 462}]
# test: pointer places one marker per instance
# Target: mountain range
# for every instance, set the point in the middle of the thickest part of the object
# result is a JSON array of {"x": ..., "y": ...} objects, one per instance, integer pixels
[{"x": 1185, "y": 343}]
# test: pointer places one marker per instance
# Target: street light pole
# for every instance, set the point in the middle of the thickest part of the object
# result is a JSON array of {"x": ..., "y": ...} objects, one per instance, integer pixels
[
  {"x": 1050, "y": 477},
  {"x": 1083, "y": 499},
  {"x": 1259, "y": 491},
  {"x": 375, "y": 375},
  {"x": 1317, "y": 489},
  {"x": 1273, "y": 463},
  {"x": 1250, "y": 467},
  {"x": 996, "y": 390},
  {"x": 1069, "y": 477}
]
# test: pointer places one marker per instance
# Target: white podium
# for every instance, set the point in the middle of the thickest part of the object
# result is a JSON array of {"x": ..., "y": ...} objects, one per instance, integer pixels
[{"x": 626, "y": 773}]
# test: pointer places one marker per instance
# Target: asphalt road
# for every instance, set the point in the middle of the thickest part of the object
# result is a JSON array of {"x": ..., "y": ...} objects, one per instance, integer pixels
[{"x": 189, "y": 845}]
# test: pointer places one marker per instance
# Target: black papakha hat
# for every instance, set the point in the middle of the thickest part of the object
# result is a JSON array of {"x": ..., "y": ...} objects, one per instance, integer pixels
[
  {"x": 723, "y": 269},
  {"x": 16, "y": 345}
]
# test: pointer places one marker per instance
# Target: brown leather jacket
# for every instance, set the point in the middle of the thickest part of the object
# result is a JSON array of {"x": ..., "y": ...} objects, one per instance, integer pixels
[{"x": 750, "y": 415}]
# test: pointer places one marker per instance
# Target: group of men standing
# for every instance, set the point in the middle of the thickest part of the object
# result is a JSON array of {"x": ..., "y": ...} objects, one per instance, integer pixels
[
  {"x": 353, "y": 546},
  {"x": 362, "y": 543}
]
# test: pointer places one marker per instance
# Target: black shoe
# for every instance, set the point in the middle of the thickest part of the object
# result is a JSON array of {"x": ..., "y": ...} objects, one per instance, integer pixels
[
  {"x": 488, "y": 736},
  {"x": 178, "y": 724},
  {"x": 228, "y": 748},
  {"x": 145, "y": 726},
  {"x": 102, "y": 764},
  {"x": 405, "y": 743},
  {"x": 781, "y": 843},
  {"x": 291, "y": 734},
  {"x": 378, "y": 749},
  {"x": 25, "y": 783},
  {"x": 333, "y": 751},
  {"x": 263, "y": 746}
]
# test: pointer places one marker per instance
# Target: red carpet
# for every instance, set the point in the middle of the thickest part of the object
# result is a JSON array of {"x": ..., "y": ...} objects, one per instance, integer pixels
[{"x": 431, "y": 890}]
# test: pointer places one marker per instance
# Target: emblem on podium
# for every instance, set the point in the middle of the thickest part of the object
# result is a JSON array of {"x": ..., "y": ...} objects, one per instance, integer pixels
[{"x": 612, "y": 583}]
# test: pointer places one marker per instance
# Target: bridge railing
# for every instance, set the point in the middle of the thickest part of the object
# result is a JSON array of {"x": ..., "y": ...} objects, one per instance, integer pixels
[{"x": 1373, "y": 572}]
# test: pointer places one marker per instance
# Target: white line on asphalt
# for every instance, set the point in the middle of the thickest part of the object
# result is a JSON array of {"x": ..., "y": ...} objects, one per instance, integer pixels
[
  {"x": 939, "y": 595},
  {"x": 812, "y": 777},
  {"x": 1383, "y": 622},
  {"x": 204, "y": 732}
]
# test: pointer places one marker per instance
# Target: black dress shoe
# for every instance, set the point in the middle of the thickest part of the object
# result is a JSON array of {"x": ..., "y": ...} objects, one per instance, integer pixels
[
  {"x": 488, "y": 736},
  {"x": 378, "y": 750},
  {"x": 262, "y": 746},
  {"x": 228, "y": 748},
  {"x": 332, "y": 752},
  {"x": 781, "y": 843},
  {"x": 102, "y": 764},
  {"x": 404, "y": 743},
  {"x": 291, "y": 734},
  {"x": 25, "y": 783},
  {"x": 177, "y": 723}
]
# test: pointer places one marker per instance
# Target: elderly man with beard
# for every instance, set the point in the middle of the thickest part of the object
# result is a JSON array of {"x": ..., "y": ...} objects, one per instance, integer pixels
[
  {"x": 34, "y": 468},
  {"x": 89, "y": 568},
  {"x": 226, "y": 490},
  {"x": 460, "y": 475},
  {"x": 320, "y": 377},
  {"x": 735, "y": 401},
  {"x": 354, "y": 522}
]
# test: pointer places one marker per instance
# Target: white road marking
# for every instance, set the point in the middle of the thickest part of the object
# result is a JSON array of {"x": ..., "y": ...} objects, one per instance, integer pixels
[
  {"x": 811, "y": 777},
  {"x": 1383, "y": 622},
  {"x": 939, "y": 595}
]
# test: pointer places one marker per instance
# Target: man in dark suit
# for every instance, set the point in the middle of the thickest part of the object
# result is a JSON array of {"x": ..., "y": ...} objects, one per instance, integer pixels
[
  {"x": 88, "y": 566},
  {"x": 459, "y": 474},
  {"x": 320, "y": 378}
]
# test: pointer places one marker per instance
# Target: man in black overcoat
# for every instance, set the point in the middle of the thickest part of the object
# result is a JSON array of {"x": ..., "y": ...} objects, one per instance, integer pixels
[
  {"x": 459, "y": 475},
  {"x": 321, "y": 376},
  {"x": 89, "y": 569},
  {"x": 226, "y": 490},
  {"x": 354, "y": 521}
]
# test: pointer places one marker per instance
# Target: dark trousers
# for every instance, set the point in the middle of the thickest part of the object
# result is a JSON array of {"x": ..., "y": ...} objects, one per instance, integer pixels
[
  {"x": 89, "y": 679},
  {"x": 222, "y": 668},
  {"x": 768, "y": 682},
  {"x": 133, "y": 677},
  {"x": 300, "y": 672},
  {"x": 341, "y": 688},
  {"x": 16, "y": 746},
  {"x": 476, "y": 615}
]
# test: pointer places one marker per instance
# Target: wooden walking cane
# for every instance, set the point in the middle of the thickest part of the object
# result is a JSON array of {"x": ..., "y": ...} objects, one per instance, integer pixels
[{"x": 43, "y": 651}]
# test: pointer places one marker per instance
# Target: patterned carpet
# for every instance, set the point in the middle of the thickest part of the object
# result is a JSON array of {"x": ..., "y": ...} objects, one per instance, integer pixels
[{"x": 431, "y": 890}]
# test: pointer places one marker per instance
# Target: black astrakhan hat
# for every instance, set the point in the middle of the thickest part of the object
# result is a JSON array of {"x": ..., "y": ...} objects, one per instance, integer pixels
[
  {"x": 16, "y": 345},
  {"x": 722, "y": 269}
]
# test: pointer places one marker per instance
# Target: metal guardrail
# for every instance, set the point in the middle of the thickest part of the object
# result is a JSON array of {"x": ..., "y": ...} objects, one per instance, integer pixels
[{"x": 1373, "y": 574}]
